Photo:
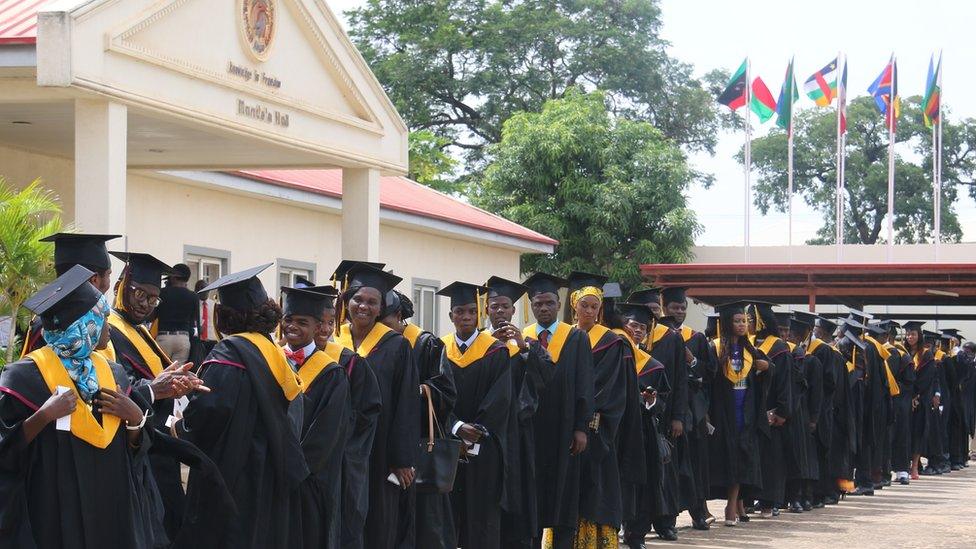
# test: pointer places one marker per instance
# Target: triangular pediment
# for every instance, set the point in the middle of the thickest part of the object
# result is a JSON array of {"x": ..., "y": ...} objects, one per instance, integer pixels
[{"x": 300, "y": 68}]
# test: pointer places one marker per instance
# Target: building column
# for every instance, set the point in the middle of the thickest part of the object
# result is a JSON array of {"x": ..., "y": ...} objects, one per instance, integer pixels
[
  {"x": 100, "y": 166},
  {"x": 361, "y": 214}
]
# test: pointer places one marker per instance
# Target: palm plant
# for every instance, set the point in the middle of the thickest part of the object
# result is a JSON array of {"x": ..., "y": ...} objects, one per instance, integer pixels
[{"x": 26, "y": 216}]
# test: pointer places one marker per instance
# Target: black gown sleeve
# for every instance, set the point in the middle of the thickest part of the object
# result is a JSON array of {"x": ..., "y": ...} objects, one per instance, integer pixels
[{"x": 405, "y": 427}]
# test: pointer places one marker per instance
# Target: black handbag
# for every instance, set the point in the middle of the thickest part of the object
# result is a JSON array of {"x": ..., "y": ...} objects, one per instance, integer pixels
[{"x": 437, "y": 460}]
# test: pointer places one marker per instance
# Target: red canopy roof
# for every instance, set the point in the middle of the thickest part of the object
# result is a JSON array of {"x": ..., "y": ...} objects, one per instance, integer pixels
[{"x": 18, "y": 20}]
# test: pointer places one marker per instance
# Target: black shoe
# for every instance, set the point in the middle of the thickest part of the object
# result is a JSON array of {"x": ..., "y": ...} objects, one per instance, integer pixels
[
  {"x": 944, "y": 469},
  {"x": 699, "y": 524},
  {"x": 904, "y": 481},
  {"x": 668, "y": 535},
  {"x": 807, "y": 505},
  {"x": 635, "y": 544},
  {"x": 956, "y": 467},
  {"x": 928, "y": 471},
  {"x": 750, "y": 509},
  {"x": 886, "y": 482},
  {"x": 862, "y": 491},
  {"x": 775, "y": 511},
  {"x": 744, "y": 518},
  {"x": 831, "y": 500},
  {"x": 879, "y": 485}
]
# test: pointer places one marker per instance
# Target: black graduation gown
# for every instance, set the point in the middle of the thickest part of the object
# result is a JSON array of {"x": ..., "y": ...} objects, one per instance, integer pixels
[
  {"x": 668, "y": 347},
  {"x": 876, "y": 407},
  {"x": 165, "y": 468},
  {"x": 808, "y": 390},
  {"x": 699, "y": 386},
  {"x": 366, "y": 402},
  {"x": 735, "y": 457},
  {"x": 60, "y": 492},
  {"x": 426, "y": 520},
  {"x": 565, "y": 406},
  {"x": 958, "y": 376},
  {"x": 484, "y": 397},
  {"x": 843, "y": 442},
  {"x": 901, "y": 409},
  {"x": 777, "y": 395},
  {"x": 831, "y": 372},
  {"x": 325, "y": 429},
  {"x": 631, "y": 447},
  {"x": 397, "y": 432},
  {"x": 531, "y": 372},
  {"x": 244, "y": 425},
  {"x": 600, "y": 497}
]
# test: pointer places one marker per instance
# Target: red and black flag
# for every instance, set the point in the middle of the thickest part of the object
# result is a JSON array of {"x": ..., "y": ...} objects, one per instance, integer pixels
[{"x": 734, "y": 95}]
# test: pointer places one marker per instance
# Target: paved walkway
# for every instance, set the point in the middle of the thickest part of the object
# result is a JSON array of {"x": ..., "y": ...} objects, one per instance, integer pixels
[{"x": 931, "y": 512}]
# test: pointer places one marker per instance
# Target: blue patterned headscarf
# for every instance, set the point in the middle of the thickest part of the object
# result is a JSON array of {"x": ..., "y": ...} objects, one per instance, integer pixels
[{"x": 75, "y": 344}]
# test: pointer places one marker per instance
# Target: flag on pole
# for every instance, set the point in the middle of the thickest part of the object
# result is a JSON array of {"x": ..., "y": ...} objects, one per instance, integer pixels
[
  {"x": 884, "y": 89},
  {"x": 762, "y": 102},
  {"x": 822, "y": 85},
  {"x": 788, "y": 95},
  {"x": 734, "y": 95},
  {"x": 842, "y": 99},
  {"x": 933, "y": 94}
]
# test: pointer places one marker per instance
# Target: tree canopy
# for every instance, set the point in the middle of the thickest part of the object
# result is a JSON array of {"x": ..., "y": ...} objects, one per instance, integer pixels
[
  {"x": 866, "y": 172},
  {"x": 611, "y": 190},
  {"x": 461, "y": 68}
]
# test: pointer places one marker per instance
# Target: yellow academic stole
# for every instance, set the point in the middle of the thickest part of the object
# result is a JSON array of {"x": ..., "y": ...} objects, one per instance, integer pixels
[
  {"x": 596, "y": 334},
  {"x": 412, "y": 332},
  {"x": 893, "y": 389},
  {"x": 477, "y": 349},
  {"x": 686, "y": 333},
  {"x": 277, "y": 362},
  {"x": 557, "y": 340},
  {"x": 139, "y": 337},
  {"x": 814, "y": 345},
  {"x": 366, "y": 347},
  {"x": 640, "y": 357},
  {"x": 83, "y": 422},
  {"x": 312, "y": 367},
  {"x": 660, "y": 330},
  {"x": 735, "y": 377}
]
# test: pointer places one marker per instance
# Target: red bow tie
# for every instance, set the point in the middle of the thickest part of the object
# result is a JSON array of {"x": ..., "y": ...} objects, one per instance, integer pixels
[{"x": 297, "y": 357}]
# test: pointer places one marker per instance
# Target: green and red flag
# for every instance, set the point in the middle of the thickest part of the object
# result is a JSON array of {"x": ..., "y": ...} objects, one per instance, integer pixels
[
  {"x": 933, "y": 94},
  {"x": 762, "y": 102},
  {"x": 822, "y": 85},
  {"x": 734, "y": 95},
  {"x": 788, "y": 95}
]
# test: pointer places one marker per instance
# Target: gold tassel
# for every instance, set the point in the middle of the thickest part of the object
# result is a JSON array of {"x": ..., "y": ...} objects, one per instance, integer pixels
[
  {"x": 342, "y": 302},
  {"x": 478, "y": 303},
  {"x": 525, "y": 309},
  {"x": 119, "y": 303}
]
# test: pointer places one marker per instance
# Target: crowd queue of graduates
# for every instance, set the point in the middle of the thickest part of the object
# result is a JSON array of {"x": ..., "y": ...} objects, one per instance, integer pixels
[{"x": 306, "y": 424}]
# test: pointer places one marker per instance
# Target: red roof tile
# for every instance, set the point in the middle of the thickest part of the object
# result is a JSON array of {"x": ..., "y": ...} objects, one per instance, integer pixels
[
  {"x": 18, "y": 20},
  {"x": 402, "y": 195}
]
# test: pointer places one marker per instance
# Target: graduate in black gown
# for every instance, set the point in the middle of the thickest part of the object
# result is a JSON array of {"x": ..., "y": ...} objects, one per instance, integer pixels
[
  {"x": 150, "y": 370},
  {"x": 777, "y": 402},
  {"x": 565, "y": 410},
  {"x": 426, "y": 519},
  {"x": 701, "y": 371},
  {"x": 841, "y": 441},
  {"x": 902, "y": 368},
  {"x": 88, "y": 485},
  {"x": 736, "y": 412},
  {"x": 875, "y": 394},
  {"x": 601, "y": 504},
  {"x": 480, "y": 418},
  {"x": 365, "y": 403},
  {"x": 803, "y": 466},
  {"x": 532, "y": 369},
  {"x": 250, "y": 425},
  {"x": 327, "y": 411},
  {"x": 398, "y": 428},
  {"x": 924, "y": 410},
  {"x": 70, "y": 249},
  {"x": 935, "y": 443},
  {"x": 960, "y": 420}
]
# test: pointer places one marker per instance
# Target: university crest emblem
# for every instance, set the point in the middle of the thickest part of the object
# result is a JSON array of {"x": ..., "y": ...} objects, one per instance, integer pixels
[{"x": 258, "y": 25}]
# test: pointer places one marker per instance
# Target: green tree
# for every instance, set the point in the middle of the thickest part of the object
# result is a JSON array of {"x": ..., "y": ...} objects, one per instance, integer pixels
[
  {"x": 26, "y": 264},
  {"x": 461, "y": 68},
  {"x": 430, "y": 164},
  {"x": 611, "y": 190},
  {"x": 866, "y": 172}
]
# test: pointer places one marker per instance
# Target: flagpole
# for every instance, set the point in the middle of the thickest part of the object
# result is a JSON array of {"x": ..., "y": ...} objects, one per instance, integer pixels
[
  {"x": 788, "y": 86},
  {"x": 937, "y": 168},
  {"x": 748, "y": 159},
  {"x": 891, "y": 160},
  {"x": 839, "y": 198}
]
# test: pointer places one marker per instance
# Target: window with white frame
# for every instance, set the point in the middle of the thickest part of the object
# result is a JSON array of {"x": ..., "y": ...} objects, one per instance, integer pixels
[
  {"x": 425, "y": 304},
  {"x": 205, "y": 264},
  {"x": 290, "y": 272}
]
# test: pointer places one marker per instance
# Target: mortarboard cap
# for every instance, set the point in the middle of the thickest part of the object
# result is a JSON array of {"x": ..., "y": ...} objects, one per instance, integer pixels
[
  {"x": 931, "y": 335},
  {"x": 544, "y": 283},
  {"x": 144, "y": 268},
  {"x": 635, "y": 311},
  {"x": 805, "y": 317},
  {"x": 711, "y": 323},
  {"x": 826, "y": 324},
  {"x": 674, "y": 294},
  {"x": 645, "y": 296},
  {"x": 305, "y": 302},
  {"x": 367, "y": 275},
  {"x": 241, "y": 291},
  {"x": 669, "y": 321},
  {"x": 81, "y": 249},
  {"x": 914, "y": 325},
  {"x": 952, "y": 332},
  {"x": 65, "y": 300},
  {"x": 303, "y": 282},
  {"x": 859, "y": 316},
  {"x": 783, "y": 318},
  {"x": 346, "y": 264},
  {"x": 498, "y": 286},
  {"x": 889, "y": 326},
  {"x": 853, "y": 337},
  {"x": 462, "y": 293},
  {"x": 579, "y": 279},
  {"x": 329, "y": 292},
  {"x": 799, "y": 326},
  {"x": 612, "y": 290}
]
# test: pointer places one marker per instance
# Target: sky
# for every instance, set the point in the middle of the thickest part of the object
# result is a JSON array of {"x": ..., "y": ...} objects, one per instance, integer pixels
[{"x": 719, "y": 34}]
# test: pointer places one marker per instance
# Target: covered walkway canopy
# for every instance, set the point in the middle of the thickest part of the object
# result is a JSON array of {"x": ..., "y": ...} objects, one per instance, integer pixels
[{"x": 853, "y": 285}]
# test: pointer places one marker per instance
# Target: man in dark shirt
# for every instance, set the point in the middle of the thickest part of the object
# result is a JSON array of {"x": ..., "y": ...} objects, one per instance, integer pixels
[{"x": 177, "y": 314}]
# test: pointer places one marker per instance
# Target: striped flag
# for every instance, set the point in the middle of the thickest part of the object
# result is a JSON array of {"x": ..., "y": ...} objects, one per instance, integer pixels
[
  {"x": 842, "y": 99},
  {"x": 787, "y": 97},
  {"x": 762, "y": 102},
  {"x": 822, "y": 85},
  {"x": 884, "y": 89},
  {"x": 734, "y": 95},
  {"x": 933, "y": 94}
]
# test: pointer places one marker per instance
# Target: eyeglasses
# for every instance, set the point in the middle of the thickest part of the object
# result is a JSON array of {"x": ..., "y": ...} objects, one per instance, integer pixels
[{"x": 140, "y": 295}]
